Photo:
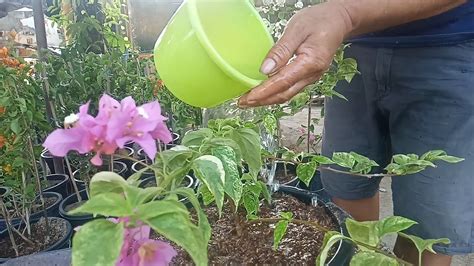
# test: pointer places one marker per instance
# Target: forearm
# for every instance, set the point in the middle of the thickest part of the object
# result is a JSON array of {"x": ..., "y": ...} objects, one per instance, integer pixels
[{"x": 364, "y": 16}]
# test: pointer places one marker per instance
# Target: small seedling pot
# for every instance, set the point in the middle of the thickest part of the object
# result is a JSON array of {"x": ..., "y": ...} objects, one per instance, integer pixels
[
  {"x": 51, "y": 211},
  {"x": 60, "y": 186},
  {"x": 77, "y": 219}
]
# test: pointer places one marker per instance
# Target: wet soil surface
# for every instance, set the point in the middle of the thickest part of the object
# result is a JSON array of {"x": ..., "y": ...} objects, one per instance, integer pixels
[{"x": 253, "y": 246}]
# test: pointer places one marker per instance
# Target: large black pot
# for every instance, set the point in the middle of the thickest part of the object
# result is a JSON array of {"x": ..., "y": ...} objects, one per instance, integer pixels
[
  {"x": 51, "y": 211},
  {"x": 75, "y": 220},
  {"x": 62, "y": 243},
  {"x": 130, "y": 152},
  {"x": 119, "y": 167},
  {"x": 136, "y": 167},
  {"x": 48, "y": 158},
  {"x": 345, "y": 250},
  {"x": 280, "y": 166},
  {"x": 60, "y": 186}
]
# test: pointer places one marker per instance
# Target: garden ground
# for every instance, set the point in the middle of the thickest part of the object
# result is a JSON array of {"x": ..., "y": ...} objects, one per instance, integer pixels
[{"x": 290, "y": 129}]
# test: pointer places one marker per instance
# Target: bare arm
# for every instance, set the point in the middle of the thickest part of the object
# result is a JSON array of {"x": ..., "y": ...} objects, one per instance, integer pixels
[{"x": 314, "y": 35}]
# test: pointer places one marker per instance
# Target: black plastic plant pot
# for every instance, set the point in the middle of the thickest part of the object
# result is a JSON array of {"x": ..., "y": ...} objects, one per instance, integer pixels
[
  {"x": 51, "y": 211},
  {"x": 75, "y": 220},
  {"x": 48, "y": 159},
  {"x": 62, "y": 243},
  {"x": 119, "y": 167},
  {"x": 345, "y": 250},
  {"x": 175, "y": 138},
  {"x": 59, "y": 184},
  {"x": 152, "y": 181},
  {"x": 290, "y": 168},
  {"x": 137, "y": 166},
  {"x": 130, "y": 152}
]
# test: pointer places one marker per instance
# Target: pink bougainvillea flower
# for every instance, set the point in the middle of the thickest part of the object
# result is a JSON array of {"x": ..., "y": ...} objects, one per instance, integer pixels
[
  {"x": 139, "y": 250},
  {"x": 138, "y": 124},
  {"x": 77, "y": 137},
  {"x": 115, "y": 124},
  {"x": 154, "y": 253}
]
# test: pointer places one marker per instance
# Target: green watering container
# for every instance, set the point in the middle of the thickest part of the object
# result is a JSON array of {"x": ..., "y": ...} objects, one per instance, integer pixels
[{"x": 211, "y": 51}]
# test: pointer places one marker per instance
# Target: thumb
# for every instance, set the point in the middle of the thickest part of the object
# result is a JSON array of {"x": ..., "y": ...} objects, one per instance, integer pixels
[{"x": 282, "y": 51}]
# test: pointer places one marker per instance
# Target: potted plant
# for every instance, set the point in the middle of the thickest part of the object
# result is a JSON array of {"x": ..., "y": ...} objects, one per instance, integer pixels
[{"x": 23, "y": 200}]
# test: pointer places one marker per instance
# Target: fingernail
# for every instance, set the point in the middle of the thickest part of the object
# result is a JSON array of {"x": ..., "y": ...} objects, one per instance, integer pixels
[{"x": 268, "y": 66}]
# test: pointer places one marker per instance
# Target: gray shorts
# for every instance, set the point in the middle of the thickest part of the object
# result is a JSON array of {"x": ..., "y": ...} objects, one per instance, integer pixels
[{"x": 411, "y": 100}]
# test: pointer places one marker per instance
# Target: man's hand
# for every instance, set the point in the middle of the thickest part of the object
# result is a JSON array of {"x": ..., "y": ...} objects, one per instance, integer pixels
[{"x": 314, "y": 34}]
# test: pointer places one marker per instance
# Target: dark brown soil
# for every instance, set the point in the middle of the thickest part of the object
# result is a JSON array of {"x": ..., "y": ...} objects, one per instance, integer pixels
[
  {"x": 74, "y": 205},
  {"x": 253, "y": 246},
  {"x": 152, "y": 183},
  {"x": 41, "y": 237},
  {"x": 47, "y": 203},
  {"x": 284, "y": 176}
]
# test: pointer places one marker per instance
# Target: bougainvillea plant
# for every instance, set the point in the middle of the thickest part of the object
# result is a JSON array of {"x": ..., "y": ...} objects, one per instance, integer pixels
[{"x": 115, "y": 124}]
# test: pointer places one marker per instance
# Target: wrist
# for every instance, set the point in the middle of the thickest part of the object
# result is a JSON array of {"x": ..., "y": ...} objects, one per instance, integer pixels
[{"x": 346, "y": 15}]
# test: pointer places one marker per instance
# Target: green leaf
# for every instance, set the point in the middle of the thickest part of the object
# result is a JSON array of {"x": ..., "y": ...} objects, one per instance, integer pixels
[
  {"x": 249, "y": 143},
  {"x": 393, "y": 224},
  {"x": 265, "y": 192},
  {"x": 279, "y": 232},
  {"x": 365, "y": 232},
  {"x": 105, "y": 204},
  {"x": 172, "y": 220},
  {"x": 251, "y": 202},
  {"x": 233, "y": 186},
  {"x": 206, "y": 195},
  {"x": 15, "y": 126},
  {"x": 432, "y": 155},
  {"x": 371, "y": 232},
  {"x": 210, "y": 171},
  {"x": 425, "y": 244},
  {"x": 89, "y": 247},
  {"x": 305, "y": 171},
  {"x": 270, "y": 123},
  {"x": 195, "y": 138},
  {"x": 105, "y": 182},
  {"x": 364, "y": 258},
  {"x": 286, "y": 215},
  {"x": 330, "y": 239},
  {"x": 450, "y": 159},
  {"x": 322, "y": 159},
  {"x": 363, "y": 164},
  {"x": 344, "y": 159}
]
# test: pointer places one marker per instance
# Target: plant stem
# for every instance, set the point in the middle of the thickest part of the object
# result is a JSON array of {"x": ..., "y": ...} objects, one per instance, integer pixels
[
  {"x": 38, "y": 184},
  {"x": 355, "y": 174},
  {"x": 73, "y": 181},
  {"x": 131, "y": 159},
  {"x": 308, "y": 134},
  {"x": 6, "y": 215},
  {"x": 327, "y": 168},
  {"x": 325, "y": 230}
]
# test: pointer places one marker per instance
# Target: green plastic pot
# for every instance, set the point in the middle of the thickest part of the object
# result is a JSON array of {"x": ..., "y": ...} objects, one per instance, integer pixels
[{"x": 211, "y": 51}]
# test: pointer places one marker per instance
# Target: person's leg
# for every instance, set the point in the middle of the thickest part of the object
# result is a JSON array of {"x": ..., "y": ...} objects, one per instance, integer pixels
[
  {"x": 357, "y": 125},
  {"x": 431, "y": 106}
]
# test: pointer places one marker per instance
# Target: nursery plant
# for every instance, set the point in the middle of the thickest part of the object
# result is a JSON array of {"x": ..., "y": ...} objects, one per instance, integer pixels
[
  {"x": 226, "y": 159},
  {"x": 22, "y": 124}
]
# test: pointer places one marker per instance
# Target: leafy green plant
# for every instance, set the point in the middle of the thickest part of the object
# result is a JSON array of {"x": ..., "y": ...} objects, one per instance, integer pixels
[
  {"x": 22, "y": 121},
  {"x": 366, "y": 236}
]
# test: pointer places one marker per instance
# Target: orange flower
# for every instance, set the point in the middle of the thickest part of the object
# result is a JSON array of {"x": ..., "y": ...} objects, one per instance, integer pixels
[
  {"x": 3, "y": 140},
  {"x": 4, "y": 52},
  {"x": 8, "y": 169},
  {"x": 3, "y": 110}
]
